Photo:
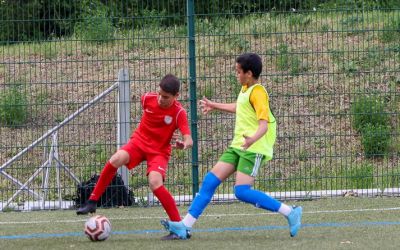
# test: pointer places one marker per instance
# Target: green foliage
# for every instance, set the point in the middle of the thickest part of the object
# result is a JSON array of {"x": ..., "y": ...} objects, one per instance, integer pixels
[
  {"x": 369, "y": 110},
  {"x": 239, "y": 43},
  {"x": 392, "y": 179},
  {"x": 370, "y": 119},
  {"x": 290, "y": 61},
  {"x": 299, "y": 22},
  {"x": 178, "y": 155},
  {"x": 296, "y": 66},
  {"x": 151, "y": 19},
  {"x": 99, "y": 152},
  {"x": 352, "y": 21},
  {"x": 362, "y": 176},
  {"x": 349, "y": 67},
  {"x": 283, "y": 57},
  {"x": 94, "y": 24},
  {"x": 58, "y": 18},
  {"x": 395, "y": 48},
  {"x": 207, "y": 91},
  {"x": 216, "y": 25},
  {"x": 325, "y": 28},
  {"x": 336, "y": 55},
  {"x": 272, "y": 183},
  {"x": 40, "y": 102},
  {"x": 96, "y": 154},
  {"x": 235, "y": 85},
  {"x": 13, "y": 107},
  {"x": 358, "y": 4},
  {"x": 353, "y": 24},
  {"x": 138, "y": 181},
  {"x": 303, "y": 155},
  {"x": 50, "y": 51},
  {"x": 49, "y": 21},
  {"x": 375, "y": 139},
  {"x": 7, "y": 209},
  {"x": 373, "y": 57},
  {"x": 391, "y": 31}
]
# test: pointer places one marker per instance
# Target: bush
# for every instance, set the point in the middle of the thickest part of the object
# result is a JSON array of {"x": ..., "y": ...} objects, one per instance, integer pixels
[
  {"x": 391, "y": 31},
  {"x": 362, "y": 176},
  {"x": 283, "y": 57},
  {"x": 36, "y": 20},
  {"x": 13, "y": 107},
  {"x": 358, "y": 4},
  {"x": 94, "y": 25},
  {"x": 57, "y": 18},
  {"x": 375, "y": 140},
  {"x": 95, "y": 29},
  {"x": 373, "y": 123},
  {"x": 369, "y": 110}
]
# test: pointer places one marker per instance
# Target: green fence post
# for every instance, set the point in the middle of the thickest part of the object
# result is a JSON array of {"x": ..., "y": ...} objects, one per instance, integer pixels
[{"x": 193, "y": 98}]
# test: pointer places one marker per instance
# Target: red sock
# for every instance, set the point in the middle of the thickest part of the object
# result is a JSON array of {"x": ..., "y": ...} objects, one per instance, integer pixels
[
  {"x": 168, "y": 203},
  {"x": 106, "y": 177}
]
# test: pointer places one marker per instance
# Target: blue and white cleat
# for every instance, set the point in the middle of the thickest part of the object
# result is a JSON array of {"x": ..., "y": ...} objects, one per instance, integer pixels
[
  {"x": 177, "y": 228},
  {"x": 294, "y": 220}
]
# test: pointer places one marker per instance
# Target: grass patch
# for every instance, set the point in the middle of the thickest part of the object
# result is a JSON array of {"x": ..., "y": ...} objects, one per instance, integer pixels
[
  {"x": 238, "y": 43},
  {"x": 391, "y": 31},
  {"x": 361, "y": 177},
  {"x": 95, "y": 26},
  {"x": 207, "y": 91},
  {"x": 235, "y": 86},
  {"x": 13, "y": 106},
  {"x": 299, "y": 22},
  {"x": 372, "y": 121},
  {"x": 376, "y": 139},
  {"x": 139, "y": 227},
  {"x": 369, "y": 109},
  {"x": 288, "y": 60}
]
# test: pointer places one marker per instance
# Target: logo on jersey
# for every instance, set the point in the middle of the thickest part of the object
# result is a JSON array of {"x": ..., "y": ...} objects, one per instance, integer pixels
[{"x": 168, "y": 119}]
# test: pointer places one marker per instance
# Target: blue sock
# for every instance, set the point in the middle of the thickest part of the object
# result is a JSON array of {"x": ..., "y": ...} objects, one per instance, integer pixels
[
  {"x": 257, "y": 198},
  {"x": 200, "y": 202}
]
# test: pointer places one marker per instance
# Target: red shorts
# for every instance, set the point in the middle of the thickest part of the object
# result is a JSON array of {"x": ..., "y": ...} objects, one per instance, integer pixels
[{"x": 155, "y": 162}]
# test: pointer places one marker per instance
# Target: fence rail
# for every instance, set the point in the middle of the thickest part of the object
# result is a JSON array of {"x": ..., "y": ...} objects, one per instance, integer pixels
[{"x": 332, "y": 73}]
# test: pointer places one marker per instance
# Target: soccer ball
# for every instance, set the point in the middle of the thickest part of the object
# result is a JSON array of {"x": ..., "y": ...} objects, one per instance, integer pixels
[{"x": 98, "y": 228}]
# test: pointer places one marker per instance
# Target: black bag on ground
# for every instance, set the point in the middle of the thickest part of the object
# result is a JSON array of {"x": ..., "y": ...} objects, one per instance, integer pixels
[{"x": 116, "y": 194}]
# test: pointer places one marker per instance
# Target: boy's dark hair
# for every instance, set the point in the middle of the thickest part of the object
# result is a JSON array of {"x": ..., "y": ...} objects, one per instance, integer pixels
[
  {"x": 170, "y": 84},
  {"x": 252, "y": 62}
]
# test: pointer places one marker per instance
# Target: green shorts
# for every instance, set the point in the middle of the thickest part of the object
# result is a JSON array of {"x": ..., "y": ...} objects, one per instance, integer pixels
[{"x": 244, "y": 161}]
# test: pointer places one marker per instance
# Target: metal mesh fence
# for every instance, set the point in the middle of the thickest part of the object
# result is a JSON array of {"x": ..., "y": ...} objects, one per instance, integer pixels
[{"x": 332, "y": 73}]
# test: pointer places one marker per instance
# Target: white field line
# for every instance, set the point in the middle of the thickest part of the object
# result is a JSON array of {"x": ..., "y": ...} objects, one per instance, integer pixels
[{"x": 206, "y": 215}]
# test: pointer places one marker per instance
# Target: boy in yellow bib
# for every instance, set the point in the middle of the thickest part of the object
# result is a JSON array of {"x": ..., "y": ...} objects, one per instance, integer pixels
[{"x": 252, "y": 146}]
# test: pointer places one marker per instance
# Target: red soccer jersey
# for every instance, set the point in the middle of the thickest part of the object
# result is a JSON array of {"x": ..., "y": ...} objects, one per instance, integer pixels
[{"x": 158, "y": 125}]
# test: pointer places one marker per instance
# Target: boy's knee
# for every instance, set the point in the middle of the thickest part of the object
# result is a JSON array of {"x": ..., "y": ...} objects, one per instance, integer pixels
[
  {"x": 120, "y": 158},
  {"x": 241, "y": 192},
  {"x": 155, "y": 180},
  {"x": 210, "y": 183},
  {"x": 153, "y": 184},
  {"x": 115, "y": 162}
]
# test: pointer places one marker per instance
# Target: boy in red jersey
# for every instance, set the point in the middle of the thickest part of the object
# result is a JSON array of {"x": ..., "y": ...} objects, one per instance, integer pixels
[{"x": 151, "y": 142}]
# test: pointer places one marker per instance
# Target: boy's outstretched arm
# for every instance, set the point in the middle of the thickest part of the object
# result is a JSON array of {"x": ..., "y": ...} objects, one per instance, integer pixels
[
  {"x": 187, "y": 141},
  {"x": 207, "y": 106},
  {"x": 185, "y": 144}
]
